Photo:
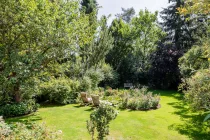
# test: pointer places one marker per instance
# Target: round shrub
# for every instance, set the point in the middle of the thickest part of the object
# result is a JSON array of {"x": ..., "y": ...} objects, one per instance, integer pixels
[{"x": 18, "y": 109}]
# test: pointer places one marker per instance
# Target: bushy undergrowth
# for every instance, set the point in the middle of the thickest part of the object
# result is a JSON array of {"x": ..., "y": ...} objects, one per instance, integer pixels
[
  {"x": 18, "y": 109},
  {"x": 60, "y": 90},
  {"x": 139, "y": 100},
  {"x": 198, "y": 90},
  {"x": 21, "y": 131}
]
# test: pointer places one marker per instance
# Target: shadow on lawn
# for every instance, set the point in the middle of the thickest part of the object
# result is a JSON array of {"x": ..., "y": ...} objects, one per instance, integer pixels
[
  {"x": 50, "y": 105},
  {"x": 169, "y": 93},
  {"x": 91, "y": 108},
  {"x": 28, "y": 119},
  {"x": 193, "y": 126}
]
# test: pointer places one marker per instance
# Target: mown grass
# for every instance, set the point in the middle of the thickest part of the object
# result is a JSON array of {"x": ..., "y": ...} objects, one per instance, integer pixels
[{"x": 173, "y": 121}]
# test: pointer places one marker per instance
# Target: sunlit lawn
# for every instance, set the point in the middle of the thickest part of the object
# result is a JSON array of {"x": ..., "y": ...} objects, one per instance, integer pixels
[{"x": 172, "y": 121}]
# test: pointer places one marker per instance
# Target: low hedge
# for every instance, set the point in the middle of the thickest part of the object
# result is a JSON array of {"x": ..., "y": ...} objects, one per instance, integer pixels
[{"x": 18, "y": 109}]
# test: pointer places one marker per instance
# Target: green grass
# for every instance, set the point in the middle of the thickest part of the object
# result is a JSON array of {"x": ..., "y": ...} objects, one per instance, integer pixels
[{"x": 172, "y": 121}]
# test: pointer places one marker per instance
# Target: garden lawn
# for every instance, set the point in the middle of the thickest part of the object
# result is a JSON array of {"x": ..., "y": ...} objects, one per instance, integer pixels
[{"x": 172, "y": 121}]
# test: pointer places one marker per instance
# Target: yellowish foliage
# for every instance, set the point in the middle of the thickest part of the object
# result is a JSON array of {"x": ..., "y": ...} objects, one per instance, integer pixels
[{"x": 195, "y": 7}]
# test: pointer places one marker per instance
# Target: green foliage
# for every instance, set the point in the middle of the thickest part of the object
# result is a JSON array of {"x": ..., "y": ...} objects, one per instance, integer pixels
[
  {"x": 140, "y": 100},
  {"x": 96, "y": 76},
  {"x": 134, "y": 41},
  {"x": 207, "y": 117},
  {"x": 192, "y": 61},
  {"x": 198, "y": 90},
  {"x": 85, "y": 84},
  {"x": 94, "y": 55},
  {"x": 36, "y": 35},
  {"x": 18, "y": 109},
  {"x": 89, "y": 5},
  {"x": 121, "y": 33},
  {"x": 60, "y": 90},
  {"x": 110, "y": 76},
  {"x": 27, "y": 132},
  {"x": 146, "y": 34},
  {"x": 179, "y": 31},
  {"x": 100, "y": 119}
]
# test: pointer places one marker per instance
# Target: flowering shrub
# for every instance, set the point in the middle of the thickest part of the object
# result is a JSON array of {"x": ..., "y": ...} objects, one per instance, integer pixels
[{"x": 139, "y": 100}]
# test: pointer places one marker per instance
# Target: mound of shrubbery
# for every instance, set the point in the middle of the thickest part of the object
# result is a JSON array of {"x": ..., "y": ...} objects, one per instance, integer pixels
[
  {"x": 18, "y": 109},
  {"x": 140, "y": 99},
  {"x": 60, "y": 90}
]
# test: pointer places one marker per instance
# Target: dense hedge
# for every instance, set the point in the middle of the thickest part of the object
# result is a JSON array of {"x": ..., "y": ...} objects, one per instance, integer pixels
[
  {"x": 60, "y": 90},
  {"x": 18, "y": 109}
]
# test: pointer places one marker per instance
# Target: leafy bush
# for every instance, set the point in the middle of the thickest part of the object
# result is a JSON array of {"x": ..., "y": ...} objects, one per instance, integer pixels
[
  {"x": 85, "y": 84},
  {"x": 110, "y": 76},
  {"x": 18, "y": 109},
  {"x": 96, "y": 76},
  {"x": 198, "y": 90},
  {"x": 139, "y": 100},
  {"x": 192, "y": 61},
  {"x": 61, "y": 90},
  {"x": 100, "y": 119},
  {"x": 21, "y": 131}
]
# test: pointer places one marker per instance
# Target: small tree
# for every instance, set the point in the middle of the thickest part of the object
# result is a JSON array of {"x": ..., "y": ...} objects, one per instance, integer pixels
[{"x": 100, "y": 119}]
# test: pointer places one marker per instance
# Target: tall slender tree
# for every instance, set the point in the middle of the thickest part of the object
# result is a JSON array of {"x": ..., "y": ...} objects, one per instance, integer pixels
[{"x": 177, "y": 28}]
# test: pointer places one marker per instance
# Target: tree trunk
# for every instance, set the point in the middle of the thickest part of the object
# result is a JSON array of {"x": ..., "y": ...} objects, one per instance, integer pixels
[{"x": 17, "y": 93}]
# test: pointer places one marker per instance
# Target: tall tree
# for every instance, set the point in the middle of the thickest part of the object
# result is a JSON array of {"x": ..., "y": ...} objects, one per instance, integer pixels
[
  {"x": 177, "y": 28},
  {"x": 100, "y": 46},
  {"x": 134, "y": 41},
  {"x": 33, "y": 36},
  {"x": 121, "y": 33},
  {"x": 146, "y": 35}
]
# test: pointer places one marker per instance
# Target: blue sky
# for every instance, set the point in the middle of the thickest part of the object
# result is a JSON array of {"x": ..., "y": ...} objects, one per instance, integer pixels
[{"x": 114, "y": 6}]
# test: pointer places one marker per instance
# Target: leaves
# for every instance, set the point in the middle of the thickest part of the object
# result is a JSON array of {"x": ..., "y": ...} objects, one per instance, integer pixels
[{"x": 207, "y": 117}]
